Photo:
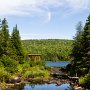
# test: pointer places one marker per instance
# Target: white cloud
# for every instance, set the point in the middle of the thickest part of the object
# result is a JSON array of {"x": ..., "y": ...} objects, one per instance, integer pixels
[
  {"x": 17, "y": 7},
  {"x": 39, "y": 7},
  {"x": 49, "y": 16},
  {"x": 79, "y": 4}
]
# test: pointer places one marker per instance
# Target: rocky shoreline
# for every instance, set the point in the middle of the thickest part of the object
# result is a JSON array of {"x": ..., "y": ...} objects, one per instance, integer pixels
[
  {"x": 58, "y": 80},
  {"x": 18, "y": 82}
]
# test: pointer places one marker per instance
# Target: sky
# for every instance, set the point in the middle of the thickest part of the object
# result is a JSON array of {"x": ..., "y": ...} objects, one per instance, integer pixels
[{"x": 45, "y": 19}]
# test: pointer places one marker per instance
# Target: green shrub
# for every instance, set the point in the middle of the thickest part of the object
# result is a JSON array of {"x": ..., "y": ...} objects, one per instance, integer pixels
[
  {"x": 1, "y": 64},
  {"x": 26, "y": 65},
  {"x": 9, "y": 64},
  {"x": 36, "y": 71},
  {"x": 85, "y": 81},
  {"x": 27, "y": 74},
  {"x": 4, "y": 75},
  {"x": 20, "y": 68}
]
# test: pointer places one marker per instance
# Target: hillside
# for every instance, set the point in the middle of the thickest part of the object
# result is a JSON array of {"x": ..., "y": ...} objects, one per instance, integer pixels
[{"x": 51, "y": 49}]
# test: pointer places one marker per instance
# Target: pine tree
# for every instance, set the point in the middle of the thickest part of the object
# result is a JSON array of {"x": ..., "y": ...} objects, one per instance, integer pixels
[
  {"x": 5, "y": 38},
  {"x": 86, "y": 45},
  {"x": 0, "y": 40},
  {"x": 81, "y": 50},
  {"x": 16, "y": 44},
  {"x": 85, "y": 65},
  {"x": 77, "y": 49}
]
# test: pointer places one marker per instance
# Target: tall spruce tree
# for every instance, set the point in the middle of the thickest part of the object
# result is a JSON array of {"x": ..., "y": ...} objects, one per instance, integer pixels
[
  {"x": 81, "y": 50},
  {"x": 86, "y": 46},
  {"x": 0, "y": 40},
  {"x": 77, "y": 49},
  {"x": 4, "y": 37},
  {"x": 16, "y": 44},
  {"x": 85, "y": 65}
]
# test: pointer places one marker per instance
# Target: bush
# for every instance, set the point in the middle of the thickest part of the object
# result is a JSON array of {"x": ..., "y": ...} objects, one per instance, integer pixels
[
  {"x": 1, "y": 64},
  {"x": 20, "y": 68},
  {"x": 36, "y": 71},
  {"x": 4, "y": 75},
  {"x": 27, "y": 74},
  {"x": 26, "y": 64},
  {"x": 85, "y": 81},
  {"x": 9, "y": 64}
]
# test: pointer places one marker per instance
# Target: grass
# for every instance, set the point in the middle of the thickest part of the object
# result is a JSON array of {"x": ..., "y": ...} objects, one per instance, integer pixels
[{"x": 36, "y": 71}]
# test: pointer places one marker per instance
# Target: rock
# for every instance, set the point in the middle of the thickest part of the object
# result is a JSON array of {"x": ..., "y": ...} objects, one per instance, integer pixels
[
  {"x": 78, "y": 88},
  {"x": 58, "y": 83},
  {"x": 15, "y": 80},
  {"x": 46, "y": 80}
]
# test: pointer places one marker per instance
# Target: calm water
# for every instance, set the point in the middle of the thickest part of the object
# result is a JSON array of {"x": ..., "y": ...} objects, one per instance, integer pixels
[
  {"x": 47, "y": 87},
  {"x": 57, "y": 64}
]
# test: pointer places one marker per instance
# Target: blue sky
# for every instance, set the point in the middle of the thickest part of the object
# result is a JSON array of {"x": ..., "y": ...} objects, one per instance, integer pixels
[{"x": 45, "y": 19}]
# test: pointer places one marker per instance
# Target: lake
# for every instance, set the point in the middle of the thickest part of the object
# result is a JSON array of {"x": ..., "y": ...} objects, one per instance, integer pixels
[
  {"x": 57, "y": 64},
  {"x": 47, "y": 87}
]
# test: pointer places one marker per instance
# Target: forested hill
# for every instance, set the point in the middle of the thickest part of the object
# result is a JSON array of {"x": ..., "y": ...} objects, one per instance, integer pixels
[{"x": 51, "y": 49}]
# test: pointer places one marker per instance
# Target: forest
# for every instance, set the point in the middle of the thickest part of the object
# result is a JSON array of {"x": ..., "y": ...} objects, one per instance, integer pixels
[{"x": 50, "y": 49}]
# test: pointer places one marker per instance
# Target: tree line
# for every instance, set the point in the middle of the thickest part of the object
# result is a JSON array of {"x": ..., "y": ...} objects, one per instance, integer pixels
[{"x": 50, "y": 49}]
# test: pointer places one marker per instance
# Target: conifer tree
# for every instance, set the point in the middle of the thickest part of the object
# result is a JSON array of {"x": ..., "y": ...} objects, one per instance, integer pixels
[
  {"x": 5, "y": 38},
  {"x": 77, "y": 49},
  {"x": 81, "y": 50},
  {"x": 86, "y": 45},
  {"x": 16, "y": 44},
  {"x": 0, "y": 40}
]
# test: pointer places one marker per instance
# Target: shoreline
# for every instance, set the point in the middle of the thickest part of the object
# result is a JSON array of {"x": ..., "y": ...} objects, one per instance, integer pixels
[
  {"x": 57, "y": 81},
  {"x": 18, "y": 81}
]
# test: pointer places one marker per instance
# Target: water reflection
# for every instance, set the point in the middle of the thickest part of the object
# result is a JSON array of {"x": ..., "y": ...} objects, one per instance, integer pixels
[
  {"x": 15, "y": 87},
  {"x": 32, "y": 86},
  {"x": 46, "y": 87},
  {"x": 41, "y": 87}
]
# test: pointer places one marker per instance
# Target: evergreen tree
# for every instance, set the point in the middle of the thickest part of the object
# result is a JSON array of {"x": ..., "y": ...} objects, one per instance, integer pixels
[
  {"x": 5, "y": 38},
  {"x": 81, "y": 50},
  {"x": 16, "y": 44},
  {"x": 77, "y": 49},
  {"x": 86, "y": 45},
  {"x": 85, "y": 81},
  {"x": 0, "y": 40}
]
